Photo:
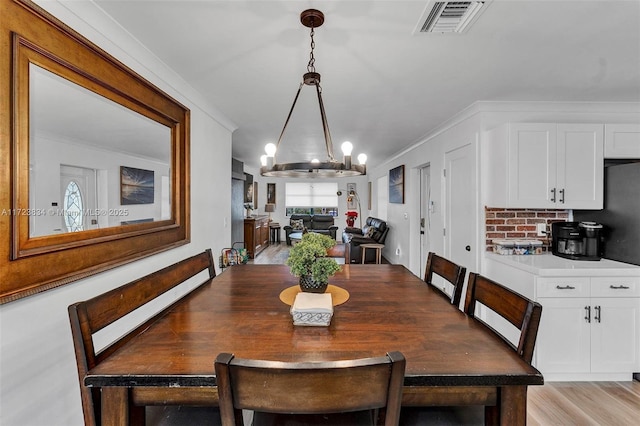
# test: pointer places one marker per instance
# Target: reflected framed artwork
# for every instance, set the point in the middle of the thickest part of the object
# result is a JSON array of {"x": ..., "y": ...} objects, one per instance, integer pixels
[
  {"x": 396, "y": 185},
  {"x": 136, "y": 186}
]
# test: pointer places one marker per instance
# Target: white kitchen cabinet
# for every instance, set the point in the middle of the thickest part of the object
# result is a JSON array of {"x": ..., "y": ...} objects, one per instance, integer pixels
[
  {"x": 622, "y": 141},
  {"x": 588, "y": 326},
  {"x": 545, "y": 165},
  {"x": 564, "y": 342},
  {"x": 590, "y": 323}
]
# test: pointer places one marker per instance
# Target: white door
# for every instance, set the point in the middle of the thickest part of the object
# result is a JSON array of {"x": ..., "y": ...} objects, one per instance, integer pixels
[
  {"x": 85, "y": 179},
  {"x": 426, "y": 206},
  {"x": 460, "y": 205}
]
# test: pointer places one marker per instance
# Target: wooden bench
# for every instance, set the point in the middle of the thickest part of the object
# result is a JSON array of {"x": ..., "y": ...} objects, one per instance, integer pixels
[{"x": 92, "y": 315}]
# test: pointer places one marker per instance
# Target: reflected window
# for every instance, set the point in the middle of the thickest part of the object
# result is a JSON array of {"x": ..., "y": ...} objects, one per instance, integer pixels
[{"x": 73, "y": 215}]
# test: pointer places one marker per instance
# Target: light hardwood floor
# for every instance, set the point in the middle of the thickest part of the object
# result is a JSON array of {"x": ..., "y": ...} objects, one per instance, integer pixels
[{"x": 555, "y": 403}]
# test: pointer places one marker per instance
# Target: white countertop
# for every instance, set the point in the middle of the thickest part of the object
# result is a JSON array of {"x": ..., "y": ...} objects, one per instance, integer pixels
[{"x": 550, "y": 265}]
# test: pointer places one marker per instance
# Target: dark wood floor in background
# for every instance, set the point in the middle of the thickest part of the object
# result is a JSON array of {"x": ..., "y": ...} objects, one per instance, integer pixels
[{"x": 555, "y": 403}]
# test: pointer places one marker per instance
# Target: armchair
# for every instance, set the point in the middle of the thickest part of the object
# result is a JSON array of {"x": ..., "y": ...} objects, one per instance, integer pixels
[{"x": 374, "y": 231}]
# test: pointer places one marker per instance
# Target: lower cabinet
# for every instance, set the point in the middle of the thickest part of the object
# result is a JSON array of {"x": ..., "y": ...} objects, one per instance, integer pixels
[
  {"x": 256, "y": 234},
  {"x": 590, "y": 326}
]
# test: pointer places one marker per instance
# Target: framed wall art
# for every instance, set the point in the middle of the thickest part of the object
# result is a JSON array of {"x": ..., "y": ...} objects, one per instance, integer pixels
[
  {"x": 271, "y": 193},
  {"x": 248, "y": 188},
  {"x": 136, "y": 186},
  {"x": 351, "y": 201},
  {"x": 255, "y": 195},
  {"x": 396, "y": 185}
]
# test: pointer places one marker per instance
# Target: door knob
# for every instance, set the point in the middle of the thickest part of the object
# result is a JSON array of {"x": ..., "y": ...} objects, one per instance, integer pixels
[{"x": 468, "y": 248}]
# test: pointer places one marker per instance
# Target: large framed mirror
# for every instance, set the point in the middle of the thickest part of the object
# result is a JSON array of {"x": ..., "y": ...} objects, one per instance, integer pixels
[{"x": 98, "y": 159}]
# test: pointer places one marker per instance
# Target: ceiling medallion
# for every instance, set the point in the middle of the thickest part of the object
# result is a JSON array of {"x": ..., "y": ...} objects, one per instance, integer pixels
[{"x": 312, "y": 18}]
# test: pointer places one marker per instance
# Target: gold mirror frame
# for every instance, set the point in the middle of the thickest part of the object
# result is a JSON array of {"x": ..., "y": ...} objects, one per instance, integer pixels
[{"x": 29, "y": 265}]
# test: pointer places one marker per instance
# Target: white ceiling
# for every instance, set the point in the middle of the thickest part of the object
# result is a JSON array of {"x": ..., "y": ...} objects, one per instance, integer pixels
[{"x": 384, "y": 86}]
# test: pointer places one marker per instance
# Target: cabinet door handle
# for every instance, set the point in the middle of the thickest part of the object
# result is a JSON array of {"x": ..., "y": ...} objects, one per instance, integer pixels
[
  {"x": 619, "y": 287},
  {"x": 565, "y": 287},
  {"x": 587, "y": 316},
  {"x": 597, "y": 316},
  {"x": 553, "y": 195},
  {"x": 561, "y": 196}
]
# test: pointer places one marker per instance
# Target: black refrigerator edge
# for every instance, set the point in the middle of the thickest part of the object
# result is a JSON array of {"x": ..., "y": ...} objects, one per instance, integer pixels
[{"x": 621, "y": 213}]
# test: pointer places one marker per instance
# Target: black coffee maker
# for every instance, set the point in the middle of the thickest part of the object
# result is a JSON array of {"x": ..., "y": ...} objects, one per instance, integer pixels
[{"x": 577, "y": 240}]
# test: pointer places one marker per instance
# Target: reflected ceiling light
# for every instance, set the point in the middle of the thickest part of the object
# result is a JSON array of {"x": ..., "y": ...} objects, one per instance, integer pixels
[{"x": 312, "y": 18}]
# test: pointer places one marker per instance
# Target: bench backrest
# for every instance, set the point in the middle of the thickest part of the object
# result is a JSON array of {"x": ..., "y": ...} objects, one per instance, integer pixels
[{"x": 91, "y": 316}]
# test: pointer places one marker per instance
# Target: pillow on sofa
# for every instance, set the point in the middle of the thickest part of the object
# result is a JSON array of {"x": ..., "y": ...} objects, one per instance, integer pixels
[
  {"x": 370, "y": 231},
  {"x": 297, "y": 224}
]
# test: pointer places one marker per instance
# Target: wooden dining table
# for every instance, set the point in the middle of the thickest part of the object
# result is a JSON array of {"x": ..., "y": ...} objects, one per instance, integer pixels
[{"x": 451, "y": 359}]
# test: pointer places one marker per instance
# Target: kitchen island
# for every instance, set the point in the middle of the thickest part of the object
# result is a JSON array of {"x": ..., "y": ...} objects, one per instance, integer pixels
[{"x": 590, "y": 326}]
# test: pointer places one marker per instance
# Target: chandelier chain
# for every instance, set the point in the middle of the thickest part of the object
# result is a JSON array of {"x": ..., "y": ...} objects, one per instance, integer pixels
[{"x": 312, "y": 60}]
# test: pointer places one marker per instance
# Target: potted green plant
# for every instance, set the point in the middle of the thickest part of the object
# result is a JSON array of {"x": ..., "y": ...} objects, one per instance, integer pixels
[{"x": 308, "y": 260}]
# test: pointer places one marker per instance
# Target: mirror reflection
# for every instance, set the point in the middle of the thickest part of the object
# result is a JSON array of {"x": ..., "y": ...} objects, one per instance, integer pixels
[{"x": 92, "y": 162}]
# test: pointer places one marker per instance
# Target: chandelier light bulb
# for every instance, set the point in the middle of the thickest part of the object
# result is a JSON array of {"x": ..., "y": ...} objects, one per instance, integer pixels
[
  {"x": 315, "y": 161},
  {"x": 263, "y": 160},
  {"x": 270, "y": 149},
  {"x": 362, "y": 158},
  {"x": 347, "y": 147}
]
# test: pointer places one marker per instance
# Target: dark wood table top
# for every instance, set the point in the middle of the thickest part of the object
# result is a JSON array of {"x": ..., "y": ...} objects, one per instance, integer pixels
[{"x": 389, "y": 309}]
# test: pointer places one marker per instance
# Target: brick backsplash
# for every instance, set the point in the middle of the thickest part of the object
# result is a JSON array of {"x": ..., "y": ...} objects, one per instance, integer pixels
[{"x": 503, "y": 223}]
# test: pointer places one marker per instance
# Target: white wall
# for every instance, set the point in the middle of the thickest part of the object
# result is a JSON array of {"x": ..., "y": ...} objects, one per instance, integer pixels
[
  {"x": 38, "y": 377},
  {"x": 404, "y": 219}
]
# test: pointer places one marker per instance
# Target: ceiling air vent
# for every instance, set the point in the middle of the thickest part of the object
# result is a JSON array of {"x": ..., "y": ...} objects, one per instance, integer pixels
[{"x": 449, "y": 16}]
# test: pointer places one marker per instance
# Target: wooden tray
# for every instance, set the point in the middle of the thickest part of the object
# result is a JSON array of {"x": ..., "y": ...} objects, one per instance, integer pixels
[{"x": 338, "y": 294}]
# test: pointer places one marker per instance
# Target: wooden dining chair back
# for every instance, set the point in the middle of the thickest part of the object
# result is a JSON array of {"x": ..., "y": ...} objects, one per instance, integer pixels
[
  {"x": 340, "y": 251},
  {"x": 310, "y": 387},
  {"x": 452, "y": 273},
  {"x": 523, "y": 313},
  {"x": 90, "y": 316}
]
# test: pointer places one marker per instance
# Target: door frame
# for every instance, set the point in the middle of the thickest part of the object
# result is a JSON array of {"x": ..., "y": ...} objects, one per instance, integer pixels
[{"x": 424, "y": 219}]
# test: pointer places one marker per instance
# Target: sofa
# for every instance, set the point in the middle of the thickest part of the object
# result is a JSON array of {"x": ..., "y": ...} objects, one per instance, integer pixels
[
  {"x": 373, "y": 232},
  {"x": 320, "y": 223}
]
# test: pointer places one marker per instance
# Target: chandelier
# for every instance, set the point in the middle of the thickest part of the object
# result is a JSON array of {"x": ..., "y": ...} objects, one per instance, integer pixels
[{"x": 312, "y": 19}]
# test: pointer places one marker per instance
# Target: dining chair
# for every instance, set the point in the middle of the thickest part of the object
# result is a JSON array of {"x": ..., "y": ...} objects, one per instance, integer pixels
[
  {"x": 339, "y": 251},
  {"x": 521, "y": 312},
  {"x": 452, "y": 273},
  {"x": 358, "y": 391},
  {"x": 518, "y": 310}
]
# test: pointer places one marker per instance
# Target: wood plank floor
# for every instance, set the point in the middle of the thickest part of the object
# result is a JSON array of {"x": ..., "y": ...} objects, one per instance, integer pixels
[
  {"x": 555, "y": 403},
  {"x": 584, "y": 403}
]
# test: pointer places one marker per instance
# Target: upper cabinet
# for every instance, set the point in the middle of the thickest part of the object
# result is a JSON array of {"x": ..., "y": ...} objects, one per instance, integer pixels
[
  {"x": 622, "y": 141},
  {"x": 545, "y": 165}
]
